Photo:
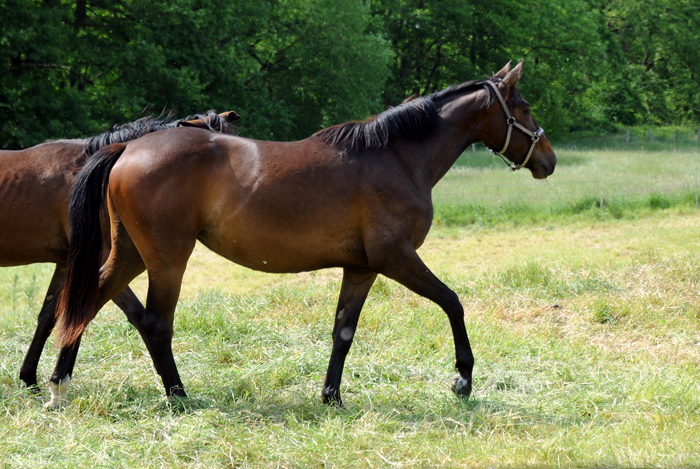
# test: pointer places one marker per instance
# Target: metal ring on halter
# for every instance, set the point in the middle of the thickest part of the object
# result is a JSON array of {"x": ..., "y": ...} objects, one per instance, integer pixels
[{"x": 510, "y": 120}]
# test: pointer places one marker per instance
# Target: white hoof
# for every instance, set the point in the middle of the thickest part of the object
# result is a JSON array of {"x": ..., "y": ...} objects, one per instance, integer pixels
[{"x": 58, "y": 394}]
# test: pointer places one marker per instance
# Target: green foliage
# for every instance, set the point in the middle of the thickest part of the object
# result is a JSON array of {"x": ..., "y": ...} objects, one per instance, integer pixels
[
  {"x": 657, "y": 37},
  {"x": 71, "y": 68}
]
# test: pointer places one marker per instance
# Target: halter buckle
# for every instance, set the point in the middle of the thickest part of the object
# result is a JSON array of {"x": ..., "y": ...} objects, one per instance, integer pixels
[{"x": 510, "y": 121}]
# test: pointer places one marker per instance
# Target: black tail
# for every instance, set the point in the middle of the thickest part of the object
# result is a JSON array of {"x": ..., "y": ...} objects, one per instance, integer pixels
[{"x": 78, "y": 300}]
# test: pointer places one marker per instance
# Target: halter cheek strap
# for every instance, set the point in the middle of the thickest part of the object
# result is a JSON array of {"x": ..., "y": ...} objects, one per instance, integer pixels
[{"x": 510, "y": 120}]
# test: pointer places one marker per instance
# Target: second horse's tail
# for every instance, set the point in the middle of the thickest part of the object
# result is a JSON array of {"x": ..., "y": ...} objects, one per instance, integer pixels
[{"x": 78, "y": 300}]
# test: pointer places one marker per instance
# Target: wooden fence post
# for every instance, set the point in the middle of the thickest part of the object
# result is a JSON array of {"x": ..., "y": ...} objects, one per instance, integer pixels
[
  {"x": 627, "y": 136},
  {"x": 651, "y": 137}
]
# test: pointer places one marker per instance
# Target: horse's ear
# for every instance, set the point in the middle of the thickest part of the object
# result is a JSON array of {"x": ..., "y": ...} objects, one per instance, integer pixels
[
  {"x": 231, "y": 116},
  {"x": 504, "y": 71},
  {"x": 511, "y": 79},
  {"x": 193, "y": 123}
]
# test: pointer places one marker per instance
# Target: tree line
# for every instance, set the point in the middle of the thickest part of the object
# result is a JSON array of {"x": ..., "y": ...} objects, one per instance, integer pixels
[{"x": 72, "y": 68}]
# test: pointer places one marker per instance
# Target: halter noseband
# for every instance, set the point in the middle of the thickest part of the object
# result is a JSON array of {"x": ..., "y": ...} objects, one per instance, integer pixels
[{"x": 510, "y": 120}]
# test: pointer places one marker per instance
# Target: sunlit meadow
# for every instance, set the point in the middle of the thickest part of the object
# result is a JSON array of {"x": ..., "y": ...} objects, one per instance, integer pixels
[{"x": 582, "y": 300}]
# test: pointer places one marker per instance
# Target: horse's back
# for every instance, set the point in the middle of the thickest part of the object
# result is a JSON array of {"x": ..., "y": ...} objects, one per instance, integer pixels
[{"x": 273, "y": 206}]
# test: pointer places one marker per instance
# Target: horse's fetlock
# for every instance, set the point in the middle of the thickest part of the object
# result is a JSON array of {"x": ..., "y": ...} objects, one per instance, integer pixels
[
  {"x": 59, "y": 391},
  {"x": 462, "y": 387},
  {"x": 331, "y": 396}
]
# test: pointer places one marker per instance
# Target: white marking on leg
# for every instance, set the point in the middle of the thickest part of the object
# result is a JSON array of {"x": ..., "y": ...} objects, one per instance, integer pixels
[
  {"x": 58, "y": 393},
  {"x": 346, "y": 333},
  {"x": 341, "y": 313}
]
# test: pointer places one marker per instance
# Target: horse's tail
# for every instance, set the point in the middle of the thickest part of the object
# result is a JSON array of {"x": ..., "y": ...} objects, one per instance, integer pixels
[{"x": 77, "y": 303}]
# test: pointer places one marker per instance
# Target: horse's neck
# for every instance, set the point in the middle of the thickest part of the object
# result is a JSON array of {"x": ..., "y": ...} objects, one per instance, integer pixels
[{"x": 434, "y": 157}]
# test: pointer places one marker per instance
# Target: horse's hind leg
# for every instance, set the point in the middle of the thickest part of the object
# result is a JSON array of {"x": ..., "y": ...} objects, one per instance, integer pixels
[
  {"x": 155, "y": 323},
  {"x": 353, "y": 293},
  {"x": 127, "y": 301},
  {"x": 122, "y": 266},
  {"x": 163, "y": 293},
  {"x": 45, "y": 324},
  {"x": 409, "y": 270}
]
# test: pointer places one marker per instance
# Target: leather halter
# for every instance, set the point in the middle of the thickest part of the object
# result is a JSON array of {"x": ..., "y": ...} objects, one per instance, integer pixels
[{"x": 510, "y": 120}]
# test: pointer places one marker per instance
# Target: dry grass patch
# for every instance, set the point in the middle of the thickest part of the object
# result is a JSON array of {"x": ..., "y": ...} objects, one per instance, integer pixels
[{"x": 586, "y": 338}]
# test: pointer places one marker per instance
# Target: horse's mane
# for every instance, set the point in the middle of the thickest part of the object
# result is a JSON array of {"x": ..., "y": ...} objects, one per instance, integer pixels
[
  {"x": 414, "y": 120},
  {"x": 146, "y": 125}
]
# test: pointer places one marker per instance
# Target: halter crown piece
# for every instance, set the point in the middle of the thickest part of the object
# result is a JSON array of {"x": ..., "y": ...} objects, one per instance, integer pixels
[{"x": 510, "y": 120}]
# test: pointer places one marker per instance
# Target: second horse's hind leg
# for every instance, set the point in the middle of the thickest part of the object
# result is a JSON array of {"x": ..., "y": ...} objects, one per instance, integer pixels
[
  {"x": 45, "y": 324},
  {"x": 125, "y": 300},
  {"x": 58, "y": 385},
  {"x": 122, "y": 266}
]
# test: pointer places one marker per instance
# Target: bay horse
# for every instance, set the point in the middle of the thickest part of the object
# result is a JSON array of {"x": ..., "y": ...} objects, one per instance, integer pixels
[
  {"x": 355, "y": 196},
  {"x": 35, "y": 188}
]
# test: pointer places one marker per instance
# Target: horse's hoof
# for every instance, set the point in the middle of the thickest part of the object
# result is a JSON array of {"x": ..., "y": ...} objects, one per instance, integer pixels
[
  {"x": 332, "y": 399},
  {"x": 58, "y": 394},
  {"x": 34, "y": 389},
  {"x": 336, "y": 402},
  {"x": 177, "y": 391},
  {"x": 56, "y": 404},
  {"x": 462, "y": 387}
]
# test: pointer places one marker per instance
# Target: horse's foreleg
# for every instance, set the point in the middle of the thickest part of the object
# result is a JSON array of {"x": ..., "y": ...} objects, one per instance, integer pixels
[
  {"x": 353, "y": 293},
  {"x": 45, "y": 324},
  {"x": 409, "y": 270}
]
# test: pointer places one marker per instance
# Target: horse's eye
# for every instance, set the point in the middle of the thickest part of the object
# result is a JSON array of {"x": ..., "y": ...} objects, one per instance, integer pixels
[{"x": 526, "y": 111}]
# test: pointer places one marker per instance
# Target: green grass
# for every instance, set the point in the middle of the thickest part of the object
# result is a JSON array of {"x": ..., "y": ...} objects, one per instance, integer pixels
[
  {"x": 585, "y": 328},
  {"x": 663, "y": 137},
  {"x": 591, "y": 185}
]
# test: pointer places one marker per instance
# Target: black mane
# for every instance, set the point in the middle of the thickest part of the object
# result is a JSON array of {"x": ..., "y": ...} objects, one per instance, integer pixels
[
  {"x": 414, "y": 120},
  {"x": 146, "y": 125}
]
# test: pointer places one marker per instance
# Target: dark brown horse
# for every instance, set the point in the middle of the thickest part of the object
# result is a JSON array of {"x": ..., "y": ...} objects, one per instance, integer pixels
[
  {"x": 35, "y": 188},
  {"x": 356, "y": 196}
]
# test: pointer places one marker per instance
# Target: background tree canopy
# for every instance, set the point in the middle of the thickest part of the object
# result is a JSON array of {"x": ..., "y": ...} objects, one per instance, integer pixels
[{"x": 72, "y": 68}]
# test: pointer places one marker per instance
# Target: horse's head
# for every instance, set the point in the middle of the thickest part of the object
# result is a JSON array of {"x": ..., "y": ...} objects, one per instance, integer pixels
[
  {"x": 512, "y": 130},
  {"x": 211, "y": 121}
]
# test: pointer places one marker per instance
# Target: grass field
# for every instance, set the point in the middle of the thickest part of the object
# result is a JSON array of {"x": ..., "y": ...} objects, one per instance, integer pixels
[{"x": 585, "y": 323}]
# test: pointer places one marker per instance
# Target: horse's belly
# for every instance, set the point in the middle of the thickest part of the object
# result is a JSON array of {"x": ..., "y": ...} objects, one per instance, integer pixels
[
  {"x": 30, "y": 232},
  {"x": 286, "y": 252}
]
